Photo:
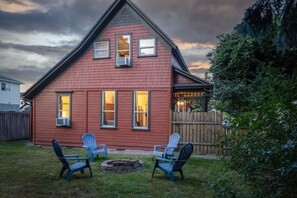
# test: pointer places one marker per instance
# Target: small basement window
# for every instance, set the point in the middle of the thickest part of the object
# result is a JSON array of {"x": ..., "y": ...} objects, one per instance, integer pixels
[
  {"x": 101, "y": 49},
  {"x": 147, "y": 47}
]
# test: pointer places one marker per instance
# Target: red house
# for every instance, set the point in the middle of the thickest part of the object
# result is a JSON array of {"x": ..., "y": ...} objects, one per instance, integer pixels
[{"x": 121, "y": 82}]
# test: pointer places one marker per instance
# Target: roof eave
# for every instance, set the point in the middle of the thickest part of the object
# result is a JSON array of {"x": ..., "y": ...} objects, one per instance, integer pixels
[
  {"x": 103, "y": 21},
  {"x": 190, "y": 76},
  {"x": 192, "y": 87}
]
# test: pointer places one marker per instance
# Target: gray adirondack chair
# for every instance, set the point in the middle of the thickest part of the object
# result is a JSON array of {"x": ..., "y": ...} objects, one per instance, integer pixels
[
  {"x": 169, "y": 148},
  {"x": 78, "y": 166},
  {"x": 92, "y": 147},
  {"x": 175, "y": 164}
]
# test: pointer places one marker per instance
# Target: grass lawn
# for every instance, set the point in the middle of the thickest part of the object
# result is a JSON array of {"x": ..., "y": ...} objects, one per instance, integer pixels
[{"x": 34, "y": 172}]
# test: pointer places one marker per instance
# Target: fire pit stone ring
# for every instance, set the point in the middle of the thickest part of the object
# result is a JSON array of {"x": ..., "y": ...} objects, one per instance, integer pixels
[{"x": 122, "y": 166}]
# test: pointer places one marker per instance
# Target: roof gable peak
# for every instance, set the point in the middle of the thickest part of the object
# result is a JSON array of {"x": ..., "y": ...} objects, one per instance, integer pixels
[{"x": 98, "y": 27}]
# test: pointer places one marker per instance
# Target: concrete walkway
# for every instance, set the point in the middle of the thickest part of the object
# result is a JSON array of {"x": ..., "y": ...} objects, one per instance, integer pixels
[{"x": 141, "y": 152}]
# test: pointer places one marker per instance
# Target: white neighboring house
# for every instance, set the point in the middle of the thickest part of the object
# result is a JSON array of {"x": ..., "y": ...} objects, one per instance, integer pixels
[{"x": 9, "y": 94}]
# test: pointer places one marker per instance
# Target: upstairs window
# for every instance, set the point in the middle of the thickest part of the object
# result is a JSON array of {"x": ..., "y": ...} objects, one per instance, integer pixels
[
  {"x": 141, "y": 110},
  {"x": 101, "y": 49},
  {"x": 123, "y": 50},
  {"x": 108, "y": 109},
  {"x": 147, "y": 47},
  {"x": 63, "y": 109},
  {"x": 5, "y": 87}
]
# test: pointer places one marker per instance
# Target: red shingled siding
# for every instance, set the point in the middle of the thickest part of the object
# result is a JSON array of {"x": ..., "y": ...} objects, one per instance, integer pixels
[
  {"x": 124, "y": 136},
  {"x": 86, "y": 77},
  {"x": 149, "y": 72}
]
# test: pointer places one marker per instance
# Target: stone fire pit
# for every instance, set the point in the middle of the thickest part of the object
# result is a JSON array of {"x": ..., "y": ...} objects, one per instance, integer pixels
[{"x": 122, "y": 166}]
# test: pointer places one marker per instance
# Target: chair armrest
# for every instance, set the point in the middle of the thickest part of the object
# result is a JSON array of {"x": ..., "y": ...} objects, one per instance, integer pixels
[
  {"x": 163, "y": 160},
  {"x": 170, "y": 148},
  {"x": 174, "y": 158},
  {"x": 159, "y": 145},
  {"x": 101, "y": 145},
  {"x": 87, "y": 148}
]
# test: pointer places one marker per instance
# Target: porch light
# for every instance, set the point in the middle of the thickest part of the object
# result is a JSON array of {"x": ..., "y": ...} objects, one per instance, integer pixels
[{"x": 180, "y": 103}]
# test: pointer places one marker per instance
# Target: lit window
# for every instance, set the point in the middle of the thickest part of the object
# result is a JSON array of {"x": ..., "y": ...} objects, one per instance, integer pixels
[
  {"x": 123, "y": 50},
  {"x": 5, "y": 87},
  {"x": 147, "y": 47},
  {"x": 101, "y": 49},
  {"x": 141, "y": 110},
  {"x": 108, "y": 111},
  {"x": 64, "y": 106},
  {"x": 63, "y": 118}
]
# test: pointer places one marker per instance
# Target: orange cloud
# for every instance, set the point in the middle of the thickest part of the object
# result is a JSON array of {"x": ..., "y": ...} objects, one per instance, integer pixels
[
  {"x": 201, "y": 64},
  {"x": 187, "y": 45},
  {"x": 23, "y": 6}
]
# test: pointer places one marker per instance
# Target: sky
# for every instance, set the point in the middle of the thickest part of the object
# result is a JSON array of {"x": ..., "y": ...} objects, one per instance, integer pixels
[{"x": 36, "y": 34}]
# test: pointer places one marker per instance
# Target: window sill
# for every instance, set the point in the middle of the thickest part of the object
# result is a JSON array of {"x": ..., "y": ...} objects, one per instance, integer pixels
[
  {"x": 147, "y": 56},
  {"x": 123, "y": 66},
  {"x": 63, "y": 126},
  {"x": 140, "y": 129},
  {"x": 101, "y": 58},
  {"x": 106, "y": 127}
]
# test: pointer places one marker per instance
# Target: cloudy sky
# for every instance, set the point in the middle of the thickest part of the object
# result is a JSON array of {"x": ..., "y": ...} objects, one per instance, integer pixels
[{"x": 36, "y": 34}]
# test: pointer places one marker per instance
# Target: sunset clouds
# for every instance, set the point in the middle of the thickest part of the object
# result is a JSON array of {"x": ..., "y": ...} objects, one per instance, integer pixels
[{"x": 36, "y": 34}]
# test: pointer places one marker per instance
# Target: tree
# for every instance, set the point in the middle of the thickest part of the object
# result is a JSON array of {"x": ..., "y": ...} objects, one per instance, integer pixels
[
  {"x": 234, "y": 67},
  {"x": 277, "y": 17},
  {"x": 253, "y": 75}
]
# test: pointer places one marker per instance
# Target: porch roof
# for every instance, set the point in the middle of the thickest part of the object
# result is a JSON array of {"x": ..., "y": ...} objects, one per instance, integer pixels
[
  {"x": 192, "y": 87},
  {"x": 194, "y": 83}
]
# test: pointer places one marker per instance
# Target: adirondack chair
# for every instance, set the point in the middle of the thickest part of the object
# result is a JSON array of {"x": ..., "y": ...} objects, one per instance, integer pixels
[
  {"x": 78, "y": 166},
  {"x": 169, "y": 148},
  {"x": 175, "y": 164},
  {"x": 91, "y": 146}
]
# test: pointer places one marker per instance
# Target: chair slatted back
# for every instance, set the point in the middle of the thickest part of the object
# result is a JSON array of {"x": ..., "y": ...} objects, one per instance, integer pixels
[
  {"x": 173, "y": 142},
  {"x": 184, "y": 155},
  {"x": 59, "y": 152},
  {"x": 90, "y": 140}
]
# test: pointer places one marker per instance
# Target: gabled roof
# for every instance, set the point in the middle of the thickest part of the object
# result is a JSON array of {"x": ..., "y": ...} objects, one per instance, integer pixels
[
  {"x": 99, "y": 26},
  {"x": 190, "y": 76},
  {"x": 10, "y": 80},
  {"x": 198, "y": 83}
]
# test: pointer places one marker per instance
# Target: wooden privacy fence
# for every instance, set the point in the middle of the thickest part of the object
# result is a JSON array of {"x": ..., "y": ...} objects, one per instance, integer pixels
[
  {"x": 14, "y": 126},
  {"x": 203, "y": 129}
]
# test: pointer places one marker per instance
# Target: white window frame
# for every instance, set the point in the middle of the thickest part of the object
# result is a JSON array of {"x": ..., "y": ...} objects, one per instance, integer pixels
[
  {"x": 147, "y": 47},
  {"x": 134, "y": 112},
  {"x": 108, "y": 111},
  {"x": 105, "y": 49}
]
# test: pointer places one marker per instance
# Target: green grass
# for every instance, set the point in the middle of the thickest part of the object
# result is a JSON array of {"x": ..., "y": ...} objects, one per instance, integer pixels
[{"x": 33, "y": 172}]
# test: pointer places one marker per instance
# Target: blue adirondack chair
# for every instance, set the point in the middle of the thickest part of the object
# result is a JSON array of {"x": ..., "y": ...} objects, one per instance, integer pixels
[
  {"x": 175, "y": 164},
  {"x": 169, "y": 148},
  {"x": 91, "y": 146},
  {"x": 78, "y": 166}
]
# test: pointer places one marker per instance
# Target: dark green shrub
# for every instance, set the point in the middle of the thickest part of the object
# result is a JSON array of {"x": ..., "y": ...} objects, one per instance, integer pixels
[{"x": 265, "y": 138}]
